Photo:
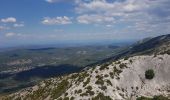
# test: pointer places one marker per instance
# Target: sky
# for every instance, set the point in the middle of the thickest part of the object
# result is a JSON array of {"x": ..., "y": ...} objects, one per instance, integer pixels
[{"x": 24, "y": 22}]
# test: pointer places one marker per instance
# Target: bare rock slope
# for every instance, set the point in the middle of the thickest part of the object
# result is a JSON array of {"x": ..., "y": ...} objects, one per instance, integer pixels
[{"x": 119, "y": 80}]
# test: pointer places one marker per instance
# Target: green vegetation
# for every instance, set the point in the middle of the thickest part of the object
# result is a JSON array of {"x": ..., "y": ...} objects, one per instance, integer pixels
[
  {"x": 91, "y": 93},
  {"x": 99, "y": 80},
  {"x": 79, "y": 91},
  {"x": 126, "y": 58},
  {"x": 149, "y": 74},
  {"x": 96, "y": 71},
  {"x": 86, "y": 82},
  {"x": 61, "y": 88},
  {"x": 65, "y": 94},
  {"x": 103, "y": 88},
  {"x": 160, "y": 97},
  {"x": 74, "y": 76},
  {"x": 130, "y": 61},
  {"x": 72, "y": 98},
  {"x": 117, "y": 88},
  {"x": 84, "y": 94},
  {"x": 38, "y": 94},
  {"x": 11, "y": 98},
  {"x": 117, "y": 71},
  {"x": 104, "y": 66},
  {"x": 89, "y": 90},
  {"x": 122, "y": 65},
  {"x": 109, "y": 82},
  {"x": 100, "y": 96},
  {"x": 106, "y": 75},
  {"x": 111, "y": 74},
  {"x": 166, "y": 52},
  {"x": 66, "y": 98},
  {"x": 82, "y": 76}
]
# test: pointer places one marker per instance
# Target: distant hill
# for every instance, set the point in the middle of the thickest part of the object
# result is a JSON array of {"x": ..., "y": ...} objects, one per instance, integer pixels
[
  {"x": 147, "y": 46},
  {"x": 155, "y": 45}
]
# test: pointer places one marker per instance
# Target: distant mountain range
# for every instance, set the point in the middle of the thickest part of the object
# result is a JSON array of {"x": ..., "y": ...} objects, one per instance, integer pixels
[{"x": 147, "y": 46}]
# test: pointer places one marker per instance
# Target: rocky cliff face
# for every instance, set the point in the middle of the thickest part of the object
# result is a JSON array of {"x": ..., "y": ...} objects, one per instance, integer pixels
[{"x": 119, "y": 80}]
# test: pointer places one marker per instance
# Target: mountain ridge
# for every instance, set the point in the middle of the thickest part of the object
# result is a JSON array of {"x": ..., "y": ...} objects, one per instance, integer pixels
[{"x": 120, "y": 79}]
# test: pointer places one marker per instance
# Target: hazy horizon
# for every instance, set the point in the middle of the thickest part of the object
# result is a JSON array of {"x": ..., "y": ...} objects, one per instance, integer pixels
[{"x": 72, "y": 44}]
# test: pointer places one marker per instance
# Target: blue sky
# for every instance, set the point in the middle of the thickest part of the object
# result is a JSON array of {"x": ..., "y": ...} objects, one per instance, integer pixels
[{"x": 25, "y": 22}]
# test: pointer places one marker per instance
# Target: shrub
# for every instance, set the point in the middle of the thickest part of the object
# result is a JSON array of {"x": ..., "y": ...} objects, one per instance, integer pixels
[
  {"x": 66, "y": 98},
  {"x": 122, "y": 66},
  {"x": 100, "y": 96},
  {"x": 75, "y": 91},
  {"x": 160, "y": 97},
  {"x": 86, "y": 82},
  {"x": 117, "y": 71},
  {"x": 89, "y": 90},
  {"x": 106, "y": 75},
  {"x": 126, "y": 58},
  {"x": 143, "y": 98},
  {"x": 149, "y": 74},
  {"x": 66, "y": 94},
  {"x": 117, "y": 88},
  {"x": 111, "y": 74},
  {"x": 130, "y": 61},
  {"x": 84, "y": 94},
  {"x": 96, "y": 71},
  {"x": 72, "y": 98},
  {"x": 79, "y": 91},
  {"x": 61, "y": 88},
  {"x": 109, "y": 82},
  {"x": 104, "y": 66},
  {"x": 82, "y": 76},
  {"x": 99, "y": 80},
  {"x": 137, "y": 88},
  {"x": 103, "y": 88}
]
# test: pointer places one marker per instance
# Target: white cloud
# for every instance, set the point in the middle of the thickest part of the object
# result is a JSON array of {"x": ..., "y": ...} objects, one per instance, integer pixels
[
  {"x": 114, "y": 7},
  {"x": 105, "y": 9},
  {"x": 147, "y": 13},
  {"x": 10, "y": 34},
  {"x": 51, "y": 1},
  {"x": 57, "y": 21},
  {"x": 18, "y": 25},
  {"x": 9, "y": 20},
  {"x": 108, "y": 25},
  {"x": 87, "y": 19},
  {"x": 4, "y": 28},
  {"x": 54, "y": 1}
]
